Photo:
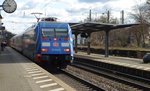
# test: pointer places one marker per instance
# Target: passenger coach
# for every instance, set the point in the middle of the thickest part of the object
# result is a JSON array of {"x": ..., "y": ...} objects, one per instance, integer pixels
[{"x": 47, "y": 41}]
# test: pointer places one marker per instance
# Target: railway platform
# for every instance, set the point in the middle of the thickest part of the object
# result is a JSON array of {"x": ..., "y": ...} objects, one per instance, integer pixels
[
  {"x": 121, "y": 61},
  {"x": 17, "y": 73}
]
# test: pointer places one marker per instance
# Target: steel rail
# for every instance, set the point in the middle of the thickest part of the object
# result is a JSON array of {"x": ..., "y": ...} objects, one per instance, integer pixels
[
  {"x": 80, "y": 79},
  {"x": 137, "y": 82}
]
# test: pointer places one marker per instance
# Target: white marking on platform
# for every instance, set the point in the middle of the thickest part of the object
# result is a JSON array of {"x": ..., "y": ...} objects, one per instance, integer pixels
[
  {"x": 37, "y": 74},
  {"x": 34, "y": 72},
  {"x": 48, "y": 85},
  {"x": 40, "y": 77},
  {"x": 29, "y": 70},
  {"x": 57, "y": 89},
  {"x": 32, "y": 69},
  {"x": 41, "y": 81}
]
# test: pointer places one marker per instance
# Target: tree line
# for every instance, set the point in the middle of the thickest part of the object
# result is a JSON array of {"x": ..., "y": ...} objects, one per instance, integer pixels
[{"x": 136, "y": 36}]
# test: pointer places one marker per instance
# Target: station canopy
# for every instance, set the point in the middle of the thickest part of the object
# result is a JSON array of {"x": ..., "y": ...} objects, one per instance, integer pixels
[{"x": 90, "y": 27}]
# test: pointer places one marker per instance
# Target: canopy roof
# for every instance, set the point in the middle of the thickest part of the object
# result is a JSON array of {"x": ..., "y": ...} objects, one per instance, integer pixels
[{"x": 90, "y": 27}]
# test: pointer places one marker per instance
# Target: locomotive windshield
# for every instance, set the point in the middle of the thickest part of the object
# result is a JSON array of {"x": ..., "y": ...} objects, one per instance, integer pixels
[
  {"x": 48, "y": 33},
  {"x": 61, "y": 32},
  {"x": 57, "y": 32}
]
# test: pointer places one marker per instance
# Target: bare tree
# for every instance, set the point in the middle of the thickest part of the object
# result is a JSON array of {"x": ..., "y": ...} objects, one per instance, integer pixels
[
  {"x": 99, "y": 37},
  {"x": 140, "y": 15}
]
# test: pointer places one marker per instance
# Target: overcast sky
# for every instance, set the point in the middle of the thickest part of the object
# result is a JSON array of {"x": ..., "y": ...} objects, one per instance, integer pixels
[{"x": 64, "y": 10}]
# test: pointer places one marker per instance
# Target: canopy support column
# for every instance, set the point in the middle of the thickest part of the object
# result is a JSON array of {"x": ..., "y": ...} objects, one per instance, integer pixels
[
  {"x": 107, "y": 43},
  {"x": 76, "y": 47},
  {"x": 89, "y": 42}
]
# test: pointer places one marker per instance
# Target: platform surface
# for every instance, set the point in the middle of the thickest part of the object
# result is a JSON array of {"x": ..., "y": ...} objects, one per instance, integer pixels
[
  {"x": 17, "y": 73},
  {"x": 122, "y": 61}
]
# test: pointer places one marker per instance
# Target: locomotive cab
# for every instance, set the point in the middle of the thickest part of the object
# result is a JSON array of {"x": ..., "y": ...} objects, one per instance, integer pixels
[{"x": 55, "y": 44}]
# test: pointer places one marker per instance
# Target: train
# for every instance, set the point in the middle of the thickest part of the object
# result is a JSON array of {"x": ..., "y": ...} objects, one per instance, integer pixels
[{"x": 47, "y": 41}]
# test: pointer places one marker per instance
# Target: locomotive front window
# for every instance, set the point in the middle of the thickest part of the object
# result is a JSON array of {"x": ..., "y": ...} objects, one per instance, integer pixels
[
  {"x": 48, "y": 33},
  {"x": 60, "y": 32}
]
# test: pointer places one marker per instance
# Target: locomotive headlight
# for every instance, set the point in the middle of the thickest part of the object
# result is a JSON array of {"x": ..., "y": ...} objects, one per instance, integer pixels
[
  {"x": 67, "y": 50},
  {"x": 44, "y": 50},
  {"x": 45, "y": 44}
]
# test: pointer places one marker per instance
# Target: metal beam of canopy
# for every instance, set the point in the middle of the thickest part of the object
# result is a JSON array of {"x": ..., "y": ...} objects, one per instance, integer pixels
[{"x": 90, "y": 27}]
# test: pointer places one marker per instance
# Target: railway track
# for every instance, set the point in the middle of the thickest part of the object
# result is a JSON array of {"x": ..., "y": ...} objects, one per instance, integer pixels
[
  {"x": 88, "y": 85},
  {"x": 132, "y": 80},
  {"x": 83, "y": 80},
  {"x": 72, "y": 79},
  {"x": 87, "y": 77}
]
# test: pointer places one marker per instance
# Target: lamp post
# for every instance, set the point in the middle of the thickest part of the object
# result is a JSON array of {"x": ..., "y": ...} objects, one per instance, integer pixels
[
  {"x": 106, "y": 16},
  {"x": 1, "y": 18},
  {"x": 1, "y": 31}
]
